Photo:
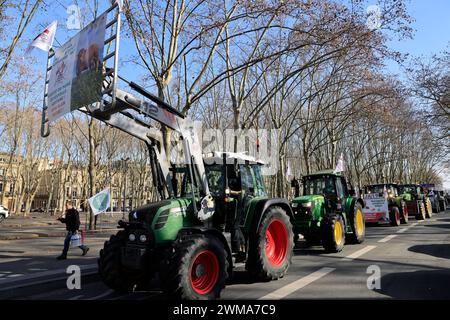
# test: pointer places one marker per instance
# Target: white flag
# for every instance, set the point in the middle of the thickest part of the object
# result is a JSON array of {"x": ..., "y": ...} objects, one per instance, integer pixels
[
  {"x": 288, "y": 171},
  {"x": 340, "y": 164},
  {"x": 100, "y": 202},
  {"x": 44, "y": 41}
]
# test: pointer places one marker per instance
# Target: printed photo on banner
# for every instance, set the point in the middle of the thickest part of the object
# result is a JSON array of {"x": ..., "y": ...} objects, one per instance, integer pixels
[{"x": 76, "y": 76}]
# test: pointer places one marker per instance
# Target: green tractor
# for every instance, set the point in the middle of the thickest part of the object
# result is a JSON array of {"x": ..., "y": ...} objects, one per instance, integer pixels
[
  {"x": 384, "y": 204},
  {"x": 416, "y": 202},
  {"x": 194, "y": 258},
  {"x": 328, "y": 211}
]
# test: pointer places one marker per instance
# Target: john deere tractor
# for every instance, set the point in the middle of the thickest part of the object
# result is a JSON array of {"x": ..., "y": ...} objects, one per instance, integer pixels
[
  {"x": 416, "y": 201},
  {"x": 328, "y": 211},
  {"x": 396, "y": 211}
]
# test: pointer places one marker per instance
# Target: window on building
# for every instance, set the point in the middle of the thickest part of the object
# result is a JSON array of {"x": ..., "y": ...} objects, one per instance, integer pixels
[
  {"x": 68, "y": 192},
  {"x": 1, "y": 187},
  {"x": 2, "y": 172}
]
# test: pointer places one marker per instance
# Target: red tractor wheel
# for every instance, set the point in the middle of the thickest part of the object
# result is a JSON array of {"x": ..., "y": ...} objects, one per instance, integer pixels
[
  {"x": 196, "y": 270},
  {"x": 404, "y": 218},
  {"x": 270, "y": 250}
]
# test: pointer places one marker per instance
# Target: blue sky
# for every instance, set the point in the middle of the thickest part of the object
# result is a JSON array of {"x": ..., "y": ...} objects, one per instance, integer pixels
[{"x": 432, "y": 30}]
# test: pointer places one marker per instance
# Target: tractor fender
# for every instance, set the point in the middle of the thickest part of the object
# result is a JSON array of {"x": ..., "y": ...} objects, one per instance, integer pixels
[
  {"x": 187, "y": 232},
  {"x": 352, "y": 210},
  {"x": 354, "y": 201},
  {"x": 263, "y": 205}
]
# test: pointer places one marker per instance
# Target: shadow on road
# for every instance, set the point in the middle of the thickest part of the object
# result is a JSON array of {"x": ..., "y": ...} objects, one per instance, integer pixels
[
  {"x": 411, "y": 285},
  {"x": 435, "y": 250}
]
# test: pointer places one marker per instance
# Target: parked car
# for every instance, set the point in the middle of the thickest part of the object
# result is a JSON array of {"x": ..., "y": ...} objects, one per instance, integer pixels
[{"x": 4, "y": 213}]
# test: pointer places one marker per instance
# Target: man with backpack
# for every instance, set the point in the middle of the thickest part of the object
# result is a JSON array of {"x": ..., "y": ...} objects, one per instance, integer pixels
[{"x": 72, "y": 221}]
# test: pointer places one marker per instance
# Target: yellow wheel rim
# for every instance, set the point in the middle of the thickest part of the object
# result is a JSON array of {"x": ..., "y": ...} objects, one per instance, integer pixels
[
  {"x": 359, "y": 222},
  {"x": 338, "y": 232},
  {"x": 429, "y": 206}
]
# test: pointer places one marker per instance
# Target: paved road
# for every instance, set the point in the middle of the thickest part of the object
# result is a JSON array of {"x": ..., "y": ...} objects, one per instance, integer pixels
[{"x": 413, "y": 260}]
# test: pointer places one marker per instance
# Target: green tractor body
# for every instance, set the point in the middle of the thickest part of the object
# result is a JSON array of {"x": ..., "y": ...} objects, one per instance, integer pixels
[
  {"x": 193, "y": 258},
  {"x": 417, "y": 203},
  {"x": 328, "y": 211},
  {"x": 384, "y": 204}
]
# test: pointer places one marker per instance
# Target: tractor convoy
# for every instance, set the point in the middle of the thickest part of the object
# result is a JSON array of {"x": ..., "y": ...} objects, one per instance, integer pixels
[{"x": 213, "y": 211}]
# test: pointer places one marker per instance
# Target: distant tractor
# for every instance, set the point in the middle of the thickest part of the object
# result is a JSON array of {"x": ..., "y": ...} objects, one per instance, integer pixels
[
  {"x": 328, "y": 211},
  {"x": 416, "y": 202},
  {"x": 384, "y": 204}
]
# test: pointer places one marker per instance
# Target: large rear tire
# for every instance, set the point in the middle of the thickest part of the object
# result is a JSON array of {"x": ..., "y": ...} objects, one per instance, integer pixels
[
  {"x": 333, "y": 233},
  {"x": 358, "y": 225},
  {"x": 394, "y": 216},
  {"x": 111, "y": 271},
  {"x": 197, "y": 269},
  {"x": 271, "y": 248}
]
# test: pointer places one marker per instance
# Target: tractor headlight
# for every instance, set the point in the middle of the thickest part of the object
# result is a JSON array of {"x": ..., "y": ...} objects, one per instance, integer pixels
[
  {"x": 307, "y": 204},
  {"x": 131, "y": 237},
  {"x": 143, "y": 238},
  {"x": 294, "y": 205}
]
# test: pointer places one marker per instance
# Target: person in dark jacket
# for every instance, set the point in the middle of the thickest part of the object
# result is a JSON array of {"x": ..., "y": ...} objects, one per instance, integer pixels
[{"x": 72, "y": 221}]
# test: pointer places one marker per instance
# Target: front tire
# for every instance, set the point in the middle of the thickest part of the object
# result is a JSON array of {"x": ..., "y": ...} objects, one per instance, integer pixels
[
  {"x": 270, "y": 251},
  {"x": 404, "y": 218},
  {"x": 358, "y": 225},
  {"x": 420, "y": 211},
  {"x": 428, "y": 209},
  {"x": 333, "y": 233},
  {"x": 394, "y": 216},
  {"x": 197, "y": 269},
  {"x": 113, "y": 274}
]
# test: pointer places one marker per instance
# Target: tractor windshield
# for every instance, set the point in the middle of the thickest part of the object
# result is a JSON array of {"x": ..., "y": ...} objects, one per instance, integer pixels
[
  {"x": 407, "y": 189},
  {"x": 319, "y": 185}
]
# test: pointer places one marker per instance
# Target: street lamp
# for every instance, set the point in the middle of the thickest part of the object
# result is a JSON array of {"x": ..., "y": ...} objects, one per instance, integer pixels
[{"x": 124, "y": 163}]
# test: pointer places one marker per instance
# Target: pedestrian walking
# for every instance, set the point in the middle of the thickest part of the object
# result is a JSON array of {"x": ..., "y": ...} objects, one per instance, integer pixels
[{"x": 72, "y": 221}]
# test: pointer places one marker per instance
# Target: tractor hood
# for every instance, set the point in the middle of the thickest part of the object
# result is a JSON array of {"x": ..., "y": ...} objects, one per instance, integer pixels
[
  {"x": 147, "y": 213},
  {"x": 309, "y": 198}
]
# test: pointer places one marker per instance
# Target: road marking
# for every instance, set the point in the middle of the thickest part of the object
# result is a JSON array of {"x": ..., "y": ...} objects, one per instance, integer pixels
[
  {"x": 76, "y": 297},
  {"x": 296, "y": 285},
  {"x": 359, "y": 253},
  {"x": 387, "y": 238},
  {"x": 104, "y": 294},
  {"x": 414, "y": 224},
  {"x": 421, "y": 221},
  {"x": 15, "y": 275},
  {"x": 402, "y": 230}
]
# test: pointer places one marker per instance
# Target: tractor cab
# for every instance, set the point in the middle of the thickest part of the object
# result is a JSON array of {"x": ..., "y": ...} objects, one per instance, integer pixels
[{"x": 326, "y": 185}]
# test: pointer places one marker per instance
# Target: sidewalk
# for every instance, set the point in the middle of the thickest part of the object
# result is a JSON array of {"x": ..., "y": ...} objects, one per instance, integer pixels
[{"x": 37, "y": 225}]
